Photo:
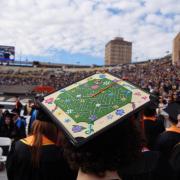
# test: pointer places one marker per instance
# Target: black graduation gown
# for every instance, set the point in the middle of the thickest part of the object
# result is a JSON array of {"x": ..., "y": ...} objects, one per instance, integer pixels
[
  {"x": 144, "y": 168},
  {"x": 166, "y": 141},
  {"x": 52, "y": 165},
  {"x": 6, "y": 131},
  {"x": 165, "y": 144},
  {"x": 175, "y": 160},
  {"x": 152, "y": 129}
]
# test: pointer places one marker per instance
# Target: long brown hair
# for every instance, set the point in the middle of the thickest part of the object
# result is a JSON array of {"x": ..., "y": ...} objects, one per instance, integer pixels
[{"x": 40, "y": 129}]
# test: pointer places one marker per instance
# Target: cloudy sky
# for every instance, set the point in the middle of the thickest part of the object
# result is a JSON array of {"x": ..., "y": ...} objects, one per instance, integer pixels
[{"x": 76, "y": 31}]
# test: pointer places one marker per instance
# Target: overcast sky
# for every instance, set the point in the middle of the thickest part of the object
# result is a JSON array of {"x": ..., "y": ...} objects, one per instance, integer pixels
[{"x": 76, "y": 31}]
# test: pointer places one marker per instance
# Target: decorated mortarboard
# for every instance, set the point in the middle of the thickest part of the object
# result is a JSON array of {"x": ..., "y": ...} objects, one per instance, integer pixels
[
  {"x": 173, "y": 109},
  {"x": 93, "y": 105},
  {"x": 1, "y": 106}
]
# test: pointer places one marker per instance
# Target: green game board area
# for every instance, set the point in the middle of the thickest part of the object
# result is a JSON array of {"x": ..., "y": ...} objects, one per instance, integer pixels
[{"x": 80, "y": 104}]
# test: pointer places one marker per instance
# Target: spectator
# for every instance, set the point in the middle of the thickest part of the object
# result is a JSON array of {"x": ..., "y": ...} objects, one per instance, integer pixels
[
  {"x": 33, "y": 117},
  {"x": 20, "y": 125},
  {"x": 28, "y": 108},
  {"x": 18, "y": 104},
  {"x": 7, "y": 128}
]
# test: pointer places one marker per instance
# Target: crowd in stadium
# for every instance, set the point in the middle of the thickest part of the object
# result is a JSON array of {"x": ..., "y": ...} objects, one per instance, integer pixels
[
  {"x": 147, "y": 145},
  {"x": 159, "y": 77}
]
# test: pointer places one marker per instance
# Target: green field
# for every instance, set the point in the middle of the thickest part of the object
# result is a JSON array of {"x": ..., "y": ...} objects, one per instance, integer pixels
[{"x": 80, "y": 104}]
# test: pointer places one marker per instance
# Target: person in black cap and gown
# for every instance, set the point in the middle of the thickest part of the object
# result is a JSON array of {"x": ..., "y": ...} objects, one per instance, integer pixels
[
  {"x": 7, "y": 127},
  {"x": 37, "y": 157},
  {"x": 152, "y": 126},
  {"x": 168, "y": 139}
]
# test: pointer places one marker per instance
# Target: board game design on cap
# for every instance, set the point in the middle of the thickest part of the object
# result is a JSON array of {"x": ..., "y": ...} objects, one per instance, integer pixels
[{"x": 92, "y": 105}]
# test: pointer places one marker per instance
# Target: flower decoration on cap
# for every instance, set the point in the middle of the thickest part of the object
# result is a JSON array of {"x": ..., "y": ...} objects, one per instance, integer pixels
[
  {"x": 49, "y": 100},
  {"x": 120, "y": 112}
]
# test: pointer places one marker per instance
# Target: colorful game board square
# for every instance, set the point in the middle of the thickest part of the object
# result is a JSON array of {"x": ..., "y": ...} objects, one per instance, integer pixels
[
  {"x": 110, "y": 116},
  {"x": 94, "y": 87},
  {"x": 115, "y": 80},
  {"x": 102, "y": 76},
  {"x": 77, "y": 128}
]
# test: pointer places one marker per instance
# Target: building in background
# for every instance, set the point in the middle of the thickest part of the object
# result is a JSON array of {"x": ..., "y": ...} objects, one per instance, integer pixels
[
  {"x": 176, "y": 50},
  {"x": 118, "y": 51}
]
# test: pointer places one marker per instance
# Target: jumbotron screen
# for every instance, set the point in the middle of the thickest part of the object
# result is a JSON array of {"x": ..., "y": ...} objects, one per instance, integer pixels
[{"x": 7, "y": 53}]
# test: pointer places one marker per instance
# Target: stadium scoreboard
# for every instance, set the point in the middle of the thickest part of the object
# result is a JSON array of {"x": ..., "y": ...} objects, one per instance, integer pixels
[{"x": 7, "y": 53}]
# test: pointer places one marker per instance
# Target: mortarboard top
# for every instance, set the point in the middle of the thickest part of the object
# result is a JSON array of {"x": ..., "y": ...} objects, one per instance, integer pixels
[
  {"x": 173, "y": 109},
  {"x": 42, "y": 116},
  {"x": 93, "y": 105}
]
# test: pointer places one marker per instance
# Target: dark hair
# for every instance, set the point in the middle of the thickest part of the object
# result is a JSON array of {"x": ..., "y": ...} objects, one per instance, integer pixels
[
  {"x": 6, "y": 112},
  {"x": 164, "y": 101},
  {"x": 148, "y": 111},
  {"x": 173, "y": 119},
  {"x": 8, "y": 116},
  {"x": 16, "y": 111},
  {"x": 40, "y": 128},
  {"x": 111, "y": 150}
]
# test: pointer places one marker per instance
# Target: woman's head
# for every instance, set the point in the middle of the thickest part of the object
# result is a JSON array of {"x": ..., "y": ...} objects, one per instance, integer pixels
[
  {"x": 112, "y": 149},
  {"x": 40, "y": 129},
  {"x": 43, "y": 125},
  {"x": 173, "y": 110},
  {"x": 47, "y": 129},
  {"x": 7, "y": 120}
]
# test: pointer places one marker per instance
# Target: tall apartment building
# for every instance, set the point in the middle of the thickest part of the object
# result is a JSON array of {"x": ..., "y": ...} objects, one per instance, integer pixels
[
  {"x": 176, "y": 50},
  {"x": 118, "y": 51}
]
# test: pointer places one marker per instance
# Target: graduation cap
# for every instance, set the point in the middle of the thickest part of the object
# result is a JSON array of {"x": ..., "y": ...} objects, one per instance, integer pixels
[
  {"x": 173, "y": 109},
  {"x": 41, "y": 115},
  {"x": 15, "y": 111},
  {"x": 10, "y": 115},
  {"x": 93, "y": 105}
]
